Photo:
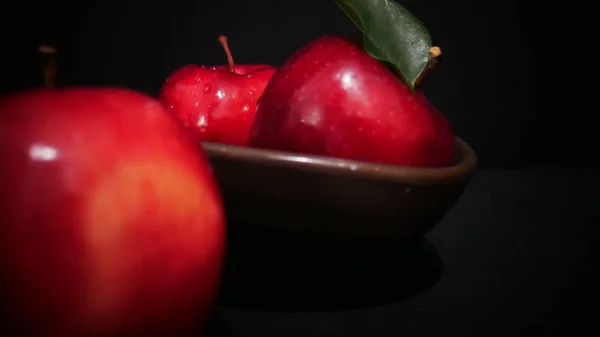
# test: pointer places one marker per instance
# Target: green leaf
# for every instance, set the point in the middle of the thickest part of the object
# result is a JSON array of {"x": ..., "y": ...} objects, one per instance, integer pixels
[{"x": 393, "y": 35}]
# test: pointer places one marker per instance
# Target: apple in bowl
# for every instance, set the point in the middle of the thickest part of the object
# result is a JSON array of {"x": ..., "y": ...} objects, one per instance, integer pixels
[
  {"x": 332, "y": 99},
  {"x": 216, "y": 103}
]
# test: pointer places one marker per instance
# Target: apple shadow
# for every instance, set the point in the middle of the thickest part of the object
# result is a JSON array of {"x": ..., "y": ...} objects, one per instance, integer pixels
[{"x": 284, "y": 271}]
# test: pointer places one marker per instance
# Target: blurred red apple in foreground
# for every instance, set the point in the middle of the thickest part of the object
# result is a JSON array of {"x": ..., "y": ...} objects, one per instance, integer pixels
[
  {"x": 110, "y": 222},
  {"x": 331, "y": 98},
  {"x": 217, "y": 104}
]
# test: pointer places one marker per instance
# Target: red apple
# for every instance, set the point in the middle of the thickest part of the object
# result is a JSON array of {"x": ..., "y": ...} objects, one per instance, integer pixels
[
  {"x": 331, "y": 98},
  {"x": 217, "y": 103},
  {"x": 111, "y": 223}
]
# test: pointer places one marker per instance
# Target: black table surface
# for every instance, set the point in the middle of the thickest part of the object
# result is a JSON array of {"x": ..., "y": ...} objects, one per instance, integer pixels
[{"x": 518, "y": 251}]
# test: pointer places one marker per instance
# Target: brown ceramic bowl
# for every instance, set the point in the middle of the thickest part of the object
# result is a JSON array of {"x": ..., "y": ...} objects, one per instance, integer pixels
[{"x": 333, "y": 196}]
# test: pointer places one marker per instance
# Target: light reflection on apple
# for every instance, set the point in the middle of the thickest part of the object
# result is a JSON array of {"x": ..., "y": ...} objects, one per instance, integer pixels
[{"x": 42, "y": 152}]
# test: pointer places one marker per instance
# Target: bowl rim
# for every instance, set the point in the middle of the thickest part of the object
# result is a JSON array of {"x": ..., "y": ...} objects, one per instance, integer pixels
[{"x": 465, "y": 164}]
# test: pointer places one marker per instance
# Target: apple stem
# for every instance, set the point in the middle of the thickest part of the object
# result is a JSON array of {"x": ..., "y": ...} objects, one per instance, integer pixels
[
  {"x": 435, "y": 52},
  {"x": 48, "y": 55},
  {"x": 223, "y": 41}
]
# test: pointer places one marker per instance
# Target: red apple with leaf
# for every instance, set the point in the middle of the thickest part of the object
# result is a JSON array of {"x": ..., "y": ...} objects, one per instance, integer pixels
[
  {"x": 110, "y": 220},
  {"x": 336, "y": 98},
  {"x": 217, "y": 103}
]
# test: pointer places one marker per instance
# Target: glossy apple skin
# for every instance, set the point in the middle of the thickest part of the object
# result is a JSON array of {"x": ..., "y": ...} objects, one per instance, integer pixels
[
  {"x": 110, "y": 220},
  {"x": 331, "y": 98},
  {"x": 217, "y": 105}
]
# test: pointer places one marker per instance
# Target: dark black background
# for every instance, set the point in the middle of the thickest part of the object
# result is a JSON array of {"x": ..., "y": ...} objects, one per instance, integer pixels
[
  {"x": 510, "y": 82},
  {"x": 517, "y": 249}
]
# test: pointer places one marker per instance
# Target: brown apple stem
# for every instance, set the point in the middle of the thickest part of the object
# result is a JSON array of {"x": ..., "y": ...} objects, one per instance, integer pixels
[
  {"x": 48, "y": 55},
  {"x": 435, "y": 52},
  {"x": 223, "y": 41},
  {"x": 434, "y": 55}
]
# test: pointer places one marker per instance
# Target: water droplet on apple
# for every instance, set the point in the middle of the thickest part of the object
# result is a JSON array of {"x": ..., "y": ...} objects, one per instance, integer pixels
[
  {"x": 206, "y": 88},
  {"x": 251, "y": 92},
  {"x": 170, "y": 107},
  {"x": 198, "y": 79},
  {"x": 202, "y": 123},
  {"x": 188, "y": 121},
  {"x": 246, "y": 107}
]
